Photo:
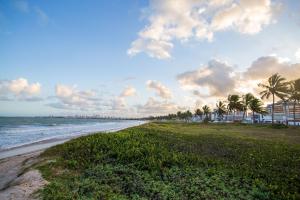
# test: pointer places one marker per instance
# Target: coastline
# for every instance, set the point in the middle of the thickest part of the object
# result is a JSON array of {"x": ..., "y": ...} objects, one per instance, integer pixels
[
  {"x": 17, "y": 179},
  {"x": 29, "y": 148},
  {"x": 44, "y": 144}
]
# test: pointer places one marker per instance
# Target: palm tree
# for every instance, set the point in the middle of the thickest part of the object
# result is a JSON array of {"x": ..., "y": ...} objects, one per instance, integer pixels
[
  {"x": 234, "y": 104},
  {"x": 247, "y": 98},
  {"x": 221, "y": 109},
  {"x": 294, "y": 95},
  {"x": 206, "y": 111},
  {"x": 198, "y": 112},
  {"x": 276, "y": 86},
  {"x": 179, "y": 114},
  {"x": 188, "y": 115},
  {"x": 256, "y": 106}
]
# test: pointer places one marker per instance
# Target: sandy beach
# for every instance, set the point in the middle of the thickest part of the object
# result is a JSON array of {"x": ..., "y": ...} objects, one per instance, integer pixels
[
  {"x": 25, "y": 149},
  {"x": 17, "y": 179}
]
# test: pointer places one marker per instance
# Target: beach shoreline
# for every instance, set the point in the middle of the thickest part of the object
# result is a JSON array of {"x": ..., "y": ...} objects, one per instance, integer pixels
[
  {"x": 47, "y": 143},
  {"x": 18, "y": 180},
  {"x": 30, "y": 148}
]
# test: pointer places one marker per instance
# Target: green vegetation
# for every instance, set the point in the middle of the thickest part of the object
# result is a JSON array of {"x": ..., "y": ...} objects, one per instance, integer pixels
[{"x": 177, "y": 161}]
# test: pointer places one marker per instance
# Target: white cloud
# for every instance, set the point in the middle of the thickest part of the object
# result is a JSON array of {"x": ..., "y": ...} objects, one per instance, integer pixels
[
  {"x": 245, "y": 85},
  {"x": 19, "y": 89},
  {"x": 128, "y": 91},
  {"x": 218, "y": 79},
  {"x": 215, "y": 79},
  {"x": 154, "y": 48},
  {"x": 71, "y": 98},
  {"x": 217, "y": 3},
  {"x": 119, "y": 103},
  {"x": 226, "y": 18},
  {"x": 262, "y": 68},
  {"x": 183, "y": 20},
  {"x": 266, "y": 66},
  {"x": 168, "y": 20},
  {"x": 156, "y": 107},
  {"x": 21, "y": 85},
  {"x": 247, "y": 16},
  {"x": 297, "y": 54},
  {"x": 161, "y": 90}
]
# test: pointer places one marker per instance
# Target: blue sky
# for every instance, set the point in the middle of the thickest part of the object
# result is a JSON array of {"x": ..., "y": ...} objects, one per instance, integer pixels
[{"x": 73, "y": 57}]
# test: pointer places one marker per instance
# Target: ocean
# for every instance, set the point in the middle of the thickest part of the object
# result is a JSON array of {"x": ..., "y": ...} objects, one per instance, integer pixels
[{"x": 20, "y": 131}]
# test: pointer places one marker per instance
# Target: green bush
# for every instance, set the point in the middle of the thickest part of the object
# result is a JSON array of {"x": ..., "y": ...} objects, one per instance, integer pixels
[
  {"x": 175, "y": 161},
  {"x": 279, "y": 126}
]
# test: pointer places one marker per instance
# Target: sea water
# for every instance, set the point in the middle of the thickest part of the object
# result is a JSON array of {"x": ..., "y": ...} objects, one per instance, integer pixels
[{"x": 19, "y": 131}]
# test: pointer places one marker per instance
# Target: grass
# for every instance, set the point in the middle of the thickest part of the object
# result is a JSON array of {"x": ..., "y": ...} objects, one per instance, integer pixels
[{"x": 177, "y": 161}]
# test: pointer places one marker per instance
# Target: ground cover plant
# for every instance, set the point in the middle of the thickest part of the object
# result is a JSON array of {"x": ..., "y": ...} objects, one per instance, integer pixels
[{"x": 177, "y": 161}]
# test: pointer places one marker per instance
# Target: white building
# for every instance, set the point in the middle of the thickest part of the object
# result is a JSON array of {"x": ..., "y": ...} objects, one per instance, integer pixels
[{"x": 284, "y": 112}]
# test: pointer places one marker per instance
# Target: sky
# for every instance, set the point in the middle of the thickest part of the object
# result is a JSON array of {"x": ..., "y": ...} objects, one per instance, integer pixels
[{"x": 133, "y": 58}]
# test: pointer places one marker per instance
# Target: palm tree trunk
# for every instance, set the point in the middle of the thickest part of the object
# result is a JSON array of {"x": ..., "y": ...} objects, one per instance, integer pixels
[
  {"x": 294, "y": 112},
  {"x": 273, "y": 105},
  {"x": 253, "y": 116},
  {"x": 233, "y": 115},
  {"x": 285, "y": 113}
]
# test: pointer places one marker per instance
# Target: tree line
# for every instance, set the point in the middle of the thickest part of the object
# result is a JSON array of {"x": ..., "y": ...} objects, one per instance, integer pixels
[{"x": 275, "y": 86}]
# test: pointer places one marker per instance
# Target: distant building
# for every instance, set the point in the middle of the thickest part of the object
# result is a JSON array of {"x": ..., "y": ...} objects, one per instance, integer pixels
[
  {"x": 284, "y": 111},
  {"x": 237, "y": 116}
]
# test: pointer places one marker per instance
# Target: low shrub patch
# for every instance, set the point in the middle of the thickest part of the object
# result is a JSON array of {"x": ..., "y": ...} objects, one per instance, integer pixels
[{"x": 176, "y": 161}]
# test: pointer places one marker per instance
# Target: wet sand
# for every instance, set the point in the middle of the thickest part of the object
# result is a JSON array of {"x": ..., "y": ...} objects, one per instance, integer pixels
[{"x": 30, "y": 148}]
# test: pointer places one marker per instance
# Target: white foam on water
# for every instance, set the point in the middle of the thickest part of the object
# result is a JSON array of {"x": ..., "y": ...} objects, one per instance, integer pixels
[{"x": 11, "y": 137}]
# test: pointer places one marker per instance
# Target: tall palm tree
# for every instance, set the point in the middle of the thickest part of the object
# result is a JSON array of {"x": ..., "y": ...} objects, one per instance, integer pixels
[
  {"x": 221, "y": 109},
  {"x": 198, "y": 112},
  {"x": 206, "y": 111},
  {"x": 234, "y": 104},
  {"x": 294, "y": 95},
  {"x": 256, "y": 106},
  {"x": 276, "y": 86},
  {"x": 246, "y": 99},
  {"x": 188, "y": 115},
  {"x": 179, "y": 114}
]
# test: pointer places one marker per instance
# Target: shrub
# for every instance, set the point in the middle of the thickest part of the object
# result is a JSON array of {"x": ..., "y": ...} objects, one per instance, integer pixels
[
  {"x": 175, "y": 161},
  {"x": 279, "y": 126}
]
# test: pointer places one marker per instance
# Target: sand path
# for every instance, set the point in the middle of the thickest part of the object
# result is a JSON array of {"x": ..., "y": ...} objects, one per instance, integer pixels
[{"x": 17, "y": 180}]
